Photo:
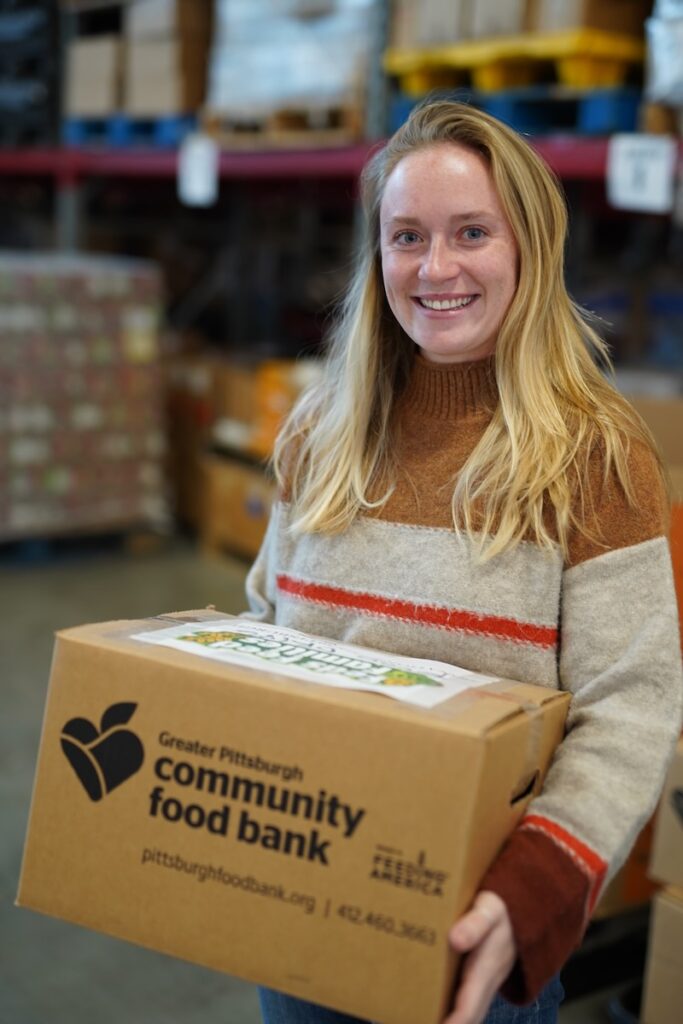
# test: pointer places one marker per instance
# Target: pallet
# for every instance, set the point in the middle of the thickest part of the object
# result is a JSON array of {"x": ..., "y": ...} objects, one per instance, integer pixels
[
  {"x": 132, "y": 541},
  {"x": 121, "y": 131},
  {"x": 543, "y": 110},
  {"x": 301, "y": 126},
  {"x": 580, "y": 58}
]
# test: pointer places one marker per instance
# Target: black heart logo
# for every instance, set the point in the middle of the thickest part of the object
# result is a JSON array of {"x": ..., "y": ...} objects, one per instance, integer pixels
[
  {"x": 677, "y": 802},
  {"x": 103, "y": 760}
]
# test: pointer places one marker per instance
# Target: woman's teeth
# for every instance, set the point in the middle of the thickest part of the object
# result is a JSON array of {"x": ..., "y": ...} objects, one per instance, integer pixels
[{"x": 446, "y": 303}]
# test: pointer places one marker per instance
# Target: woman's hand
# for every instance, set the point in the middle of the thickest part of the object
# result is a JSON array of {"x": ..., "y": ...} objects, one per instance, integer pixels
[{"x": 484, "y": 935}]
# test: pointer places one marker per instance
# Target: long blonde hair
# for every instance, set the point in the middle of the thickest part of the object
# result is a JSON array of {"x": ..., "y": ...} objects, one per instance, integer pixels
[{"x": 555, "y": 404}]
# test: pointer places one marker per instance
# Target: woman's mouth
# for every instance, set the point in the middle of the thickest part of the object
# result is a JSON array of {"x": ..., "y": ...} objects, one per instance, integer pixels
[{"x": 441, "y": 305}]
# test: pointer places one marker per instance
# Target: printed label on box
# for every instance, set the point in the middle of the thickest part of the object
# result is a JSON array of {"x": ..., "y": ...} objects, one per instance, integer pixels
[{"x": 317, "y": 660}]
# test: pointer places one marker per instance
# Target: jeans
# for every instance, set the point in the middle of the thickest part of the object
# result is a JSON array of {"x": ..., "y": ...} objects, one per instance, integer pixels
[{"x": 280, "y": 1009}]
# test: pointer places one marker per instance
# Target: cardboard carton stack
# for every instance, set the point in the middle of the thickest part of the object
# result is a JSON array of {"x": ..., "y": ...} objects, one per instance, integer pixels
[
  {"x": 94, "y": 76},
  {"x": 286, "y": 56},
  {"x": 430, "y": 23},
  {"x": 166, "y": 48},
  {"x": 82, "y": 442},
  {"x": 663, "y": 995},
  {"x": 224, "y": 418},
  {"x": 221, "y": 791}
]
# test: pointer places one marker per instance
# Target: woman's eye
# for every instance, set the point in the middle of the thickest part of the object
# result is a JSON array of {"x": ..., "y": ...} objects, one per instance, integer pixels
[
  {"x": 474, "y": 234},
  {"x": 407, "y": 237}
]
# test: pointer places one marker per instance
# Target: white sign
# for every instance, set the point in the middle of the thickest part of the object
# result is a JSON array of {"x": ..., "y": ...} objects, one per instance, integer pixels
[
  {"x": 318, "y": 660},
  {"x": 198, "y": 166},
  {"x": 641, "y": 172}
]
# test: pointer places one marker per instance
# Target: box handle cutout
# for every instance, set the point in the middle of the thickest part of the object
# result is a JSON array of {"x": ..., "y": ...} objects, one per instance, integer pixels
[{"x": 526, "y": 790}]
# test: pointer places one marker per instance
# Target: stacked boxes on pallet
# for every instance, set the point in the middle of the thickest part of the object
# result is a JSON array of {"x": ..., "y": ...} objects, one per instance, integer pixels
[
  {"x": 29, "y": 72},
  {"x": 93, "y": 80},
  {"x": 663, "y": 996},
  {"x": 224, "y": 417},
  {"x": 539, "y": 65},
  {"x": 166, "y": 50},
  {"x": 290, "y": 56},
  {"x": 82, "y": 442}
]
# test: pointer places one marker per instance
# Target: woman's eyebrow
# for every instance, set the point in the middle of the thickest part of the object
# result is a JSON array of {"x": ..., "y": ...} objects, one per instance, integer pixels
[{"x": 467, "y": 215}]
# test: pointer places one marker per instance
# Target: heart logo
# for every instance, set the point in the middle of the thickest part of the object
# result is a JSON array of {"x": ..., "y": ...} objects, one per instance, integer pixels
[{"x": 103, "y": 759}]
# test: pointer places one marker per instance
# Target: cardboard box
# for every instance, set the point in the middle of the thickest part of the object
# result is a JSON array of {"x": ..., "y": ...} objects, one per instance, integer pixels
[
  {"x": 493, "y": 18},
  {"x": 235, "y": 507},
  {"x": 307, "y": 837},
  {"x": 624, "y": 16},
  {"x": 93, "y": 87},
  {"x": 666, "y": 864},
  {"x": 149, "y": 19},
  {"x": 164, "y": 76},
  {"x": 419, "y": 23},
  {"x": 663, "y": 992}
]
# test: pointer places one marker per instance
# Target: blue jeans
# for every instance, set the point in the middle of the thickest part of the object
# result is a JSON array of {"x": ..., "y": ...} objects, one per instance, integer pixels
[{"x": 280, "y": 1009}]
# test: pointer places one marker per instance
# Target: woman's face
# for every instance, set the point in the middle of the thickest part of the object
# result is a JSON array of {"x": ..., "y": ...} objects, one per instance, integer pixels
[{"x": 449, "y": 259}]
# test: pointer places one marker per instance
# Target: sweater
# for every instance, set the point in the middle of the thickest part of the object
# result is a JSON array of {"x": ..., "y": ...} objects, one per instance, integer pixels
[{"x": 600, "y": 623}]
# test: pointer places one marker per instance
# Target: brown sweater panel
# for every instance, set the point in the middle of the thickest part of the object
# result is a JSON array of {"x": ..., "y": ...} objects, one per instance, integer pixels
[{"x": 441, "y": 419}]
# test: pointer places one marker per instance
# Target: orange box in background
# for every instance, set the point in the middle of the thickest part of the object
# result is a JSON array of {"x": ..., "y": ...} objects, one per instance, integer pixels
[
  {"x": 236, "y": 499},
  {"x": 278, "y": 384},
  {"x": 664, "y": 417}
]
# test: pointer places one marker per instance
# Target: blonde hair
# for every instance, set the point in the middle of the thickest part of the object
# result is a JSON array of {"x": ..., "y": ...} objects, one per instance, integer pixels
[{"x": 555, "y": 404}]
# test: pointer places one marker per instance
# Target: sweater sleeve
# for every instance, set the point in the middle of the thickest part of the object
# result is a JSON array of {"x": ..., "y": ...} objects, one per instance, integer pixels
[
  {"x": 260, "y": 583},
  {"x": 620, "y": 660}
]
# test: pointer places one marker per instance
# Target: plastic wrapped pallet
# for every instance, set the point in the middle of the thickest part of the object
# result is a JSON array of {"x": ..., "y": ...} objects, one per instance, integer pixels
[
  {"x": 664, "y": 34},
  {"x": 82, "y": 441},
  {"x": 270, "y": 55}
]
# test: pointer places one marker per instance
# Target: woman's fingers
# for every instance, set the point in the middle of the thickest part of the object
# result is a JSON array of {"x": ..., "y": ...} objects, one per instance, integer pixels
[{"x": 485, "y": 935}]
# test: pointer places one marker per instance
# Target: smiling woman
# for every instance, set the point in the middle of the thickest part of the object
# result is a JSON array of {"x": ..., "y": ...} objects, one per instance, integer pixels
[
  {"x": 466, "y": 486},
  {"x": 449, "y": 258}
]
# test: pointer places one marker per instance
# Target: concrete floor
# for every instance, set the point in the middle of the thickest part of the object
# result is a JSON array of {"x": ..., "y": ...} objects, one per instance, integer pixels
[{"x": 52, "y": 972}]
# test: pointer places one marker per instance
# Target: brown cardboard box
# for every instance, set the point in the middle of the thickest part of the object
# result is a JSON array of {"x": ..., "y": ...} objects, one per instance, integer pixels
[
  {"x": 624, "y": 16},
  {"x": 93, "y": 87},
  {"x": 663, "y": 993},
  {"x": 149, "y": 19},
  {"x": 492, "y": 18},
  {"x": 236, "y": 499},
  {"x": 164, "y": 76},
  {"x": 317, "y": 840},
  {"x": 419, "y": 23},
  {"x": 666, "y": 864}
]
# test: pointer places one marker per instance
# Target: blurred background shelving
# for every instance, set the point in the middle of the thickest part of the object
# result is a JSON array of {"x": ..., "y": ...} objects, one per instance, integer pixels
[{"x": 149, "y": 348}]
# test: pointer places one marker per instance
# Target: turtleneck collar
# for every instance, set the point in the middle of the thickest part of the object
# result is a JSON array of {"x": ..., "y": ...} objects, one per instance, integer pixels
[{"x": 448, "y": 391}]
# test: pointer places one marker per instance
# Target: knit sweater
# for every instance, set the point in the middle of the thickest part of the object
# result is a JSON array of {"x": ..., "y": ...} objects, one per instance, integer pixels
[{"x": 600, "y": 623}]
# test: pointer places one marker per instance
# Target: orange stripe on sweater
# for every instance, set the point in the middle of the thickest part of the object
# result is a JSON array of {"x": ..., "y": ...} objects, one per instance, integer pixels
[
  {"x": 428, "y": 614},
  {"x": 592, "y": 864}
]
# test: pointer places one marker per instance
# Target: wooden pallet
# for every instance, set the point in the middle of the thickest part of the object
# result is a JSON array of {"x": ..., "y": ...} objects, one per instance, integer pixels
[
  {"x": 301, "y": 126},
  {"x": 581, "y": 58}
]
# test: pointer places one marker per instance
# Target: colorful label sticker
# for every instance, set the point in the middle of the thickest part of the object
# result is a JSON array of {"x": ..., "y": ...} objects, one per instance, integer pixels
[{"x": 318, "y": 660}]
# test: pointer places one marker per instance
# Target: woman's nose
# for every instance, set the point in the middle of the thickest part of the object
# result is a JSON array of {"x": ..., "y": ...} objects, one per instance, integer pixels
[{"x": 439, "y": 263}]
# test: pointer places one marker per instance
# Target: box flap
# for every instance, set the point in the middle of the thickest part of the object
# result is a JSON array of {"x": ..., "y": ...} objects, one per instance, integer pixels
[{"x": 475, "y": 711}]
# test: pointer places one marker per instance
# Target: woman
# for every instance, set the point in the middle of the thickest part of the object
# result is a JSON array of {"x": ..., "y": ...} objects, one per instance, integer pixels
[{"x": 465, "y": 456}]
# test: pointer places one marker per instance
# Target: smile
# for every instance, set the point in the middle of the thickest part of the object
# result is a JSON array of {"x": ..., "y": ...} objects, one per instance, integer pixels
[{"x": 441, "y": 304}]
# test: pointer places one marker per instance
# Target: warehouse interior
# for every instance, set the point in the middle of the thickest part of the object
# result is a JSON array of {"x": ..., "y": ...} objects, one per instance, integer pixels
[{"x": 179, "y": 196}]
